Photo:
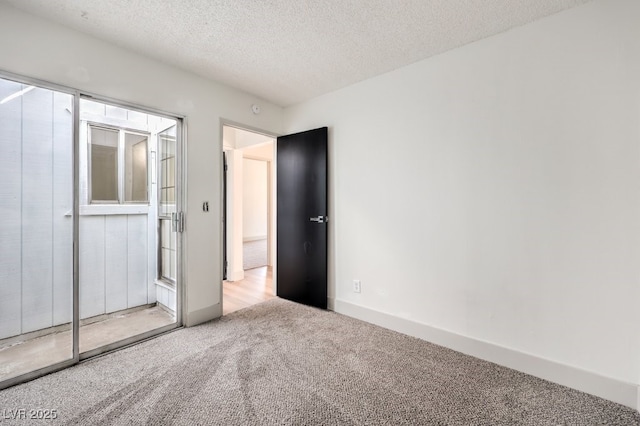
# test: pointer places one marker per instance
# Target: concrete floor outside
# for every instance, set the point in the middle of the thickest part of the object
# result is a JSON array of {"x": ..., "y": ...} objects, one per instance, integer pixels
[{"x": 20, "y": 357}]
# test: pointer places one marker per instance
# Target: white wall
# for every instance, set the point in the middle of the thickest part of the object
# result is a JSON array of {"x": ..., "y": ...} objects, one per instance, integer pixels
[
  {"x": 235, "y": 198},
  {"x": 492, "y": 192},
  {"x": 36, "y": 48},
  {"x": 262, "y": 152},
  {"x": 254, "y": 211},
  {"x": 265, "y": 152}
]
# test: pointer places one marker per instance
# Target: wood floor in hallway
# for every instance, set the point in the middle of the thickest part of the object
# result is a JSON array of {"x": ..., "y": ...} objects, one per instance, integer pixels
[{"x": 256, "y": 287}]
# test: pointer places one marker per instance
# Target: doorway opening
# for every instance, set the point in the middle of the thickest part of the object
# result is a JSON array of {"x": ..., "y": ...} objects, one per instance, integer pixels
[{"x": 249, "y": 237}]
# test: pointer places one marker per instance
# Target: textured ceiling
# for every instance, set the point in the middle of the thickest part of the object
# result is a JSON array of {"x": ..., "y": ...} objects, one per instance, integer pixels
[{"x": 288, "y": 51}]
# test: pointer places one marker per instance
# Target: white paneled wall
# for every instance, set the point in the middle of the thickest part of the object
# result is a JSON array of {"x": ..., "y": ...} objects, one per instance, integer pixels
[
  {"x": 36, "y": 263},
  {"x": 167, "y": 297},
  {"x": 36, "y": 203},
  {"x": 10, "y": 209},
  {"x": 113, "y": 263},
  {"x": 62, "y": 202}
]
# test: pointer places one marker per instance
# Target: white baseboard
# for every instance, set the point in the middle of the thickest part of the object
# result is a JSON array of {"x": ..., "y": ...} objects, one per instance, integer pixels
[
  {"x": 331, "y": 305},
  {"x": 254, "y": 238},
  {"x": 203, "y": 315},
  {"x": 624, "y": 393}
]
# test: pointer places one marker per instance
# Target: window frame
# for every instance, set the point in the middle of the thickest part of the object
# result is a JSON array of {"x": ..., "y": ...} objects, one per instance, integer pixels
[{"x": 120, "y": 165}]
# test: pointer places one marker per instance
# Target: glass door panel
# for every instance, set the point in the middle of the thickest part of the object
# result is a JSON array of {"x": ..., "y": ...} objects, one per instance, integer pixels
[
  {"x": 122, "y": 297},
  {"x": 36, "y": 230}
]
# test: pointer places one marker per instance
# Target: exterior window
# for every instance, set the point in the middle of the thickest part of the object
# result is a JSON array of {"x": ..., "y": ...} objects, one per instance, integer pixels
[
  {"x": 104, "y": 165},
  {"x": 118, "y": 166},
  {"x": 135, "y": 158}
]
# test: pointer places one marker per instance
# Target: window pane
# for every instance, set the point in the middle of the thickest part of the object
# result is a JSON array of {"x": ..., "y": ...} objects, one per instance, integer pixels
[
  {"x": 167, "y": 142},
  {"x": 135, "y": 175},
  {"x": 104, "y": 165}
]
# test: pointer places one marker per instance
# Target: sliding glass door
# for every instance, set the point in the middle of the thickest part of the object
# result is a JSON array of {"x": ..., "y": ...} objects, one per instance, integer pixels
[
  {"x": 36, "y": 230},
  {"x": 107, "y": 178},
  {"x": 123, "y": 178}
]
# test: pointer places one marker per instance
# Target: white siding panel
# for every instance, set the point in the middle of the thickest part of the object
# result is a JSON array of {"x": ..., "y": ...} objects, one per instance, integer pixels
[
  {"x": 116, "y": 112},
  {"x": 37, "y": 204},
  {"x": 152, "y": 252},
  {"x": 171, "y": 302},
  {"x": 92, "y": 266},
  {"x": 163, "y": 296},
  {"x": 10, "y": 210},
  {"x": 155, "y": 123},
  {"x": 116, "y": 263},
  {"x": 62, "y": 204},
  {"x": 137, "y": 117},
  {"x": 137, "y": 231},
  {"x": 92, "y": 107}
]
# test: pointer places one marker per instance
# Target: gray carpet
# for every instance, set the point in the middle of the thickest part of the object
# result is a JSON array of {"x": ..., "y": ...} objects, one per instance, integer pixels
[
  {"x": 254, "y": 254},
  {"x": 287, "y": 364}
]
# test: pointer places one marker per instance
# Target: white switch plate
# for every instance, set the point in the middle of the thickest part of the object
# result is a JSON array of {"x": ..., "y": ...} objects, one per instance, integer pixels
[{"x": 356, "y": 286}]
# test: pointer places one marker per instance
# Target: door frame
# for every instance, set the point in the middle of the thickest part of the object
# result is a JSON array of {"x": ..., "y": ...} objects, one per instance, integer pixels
[
  {"x": 272, "y": 206},
  {"x": 181, "y": 167}
]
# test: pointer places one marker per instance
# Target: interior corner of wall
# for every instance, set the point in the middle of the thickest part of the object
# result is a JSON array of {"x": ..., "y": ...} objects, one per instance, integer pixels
[
  {"x": 331, "y": 305},
  {"x": 203, "y": 315}
]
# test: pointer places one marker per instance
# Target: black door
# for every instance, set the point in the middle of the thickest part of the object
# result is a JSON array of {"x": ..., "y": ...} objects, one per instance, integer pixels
[{"x": 302, "y": 217}]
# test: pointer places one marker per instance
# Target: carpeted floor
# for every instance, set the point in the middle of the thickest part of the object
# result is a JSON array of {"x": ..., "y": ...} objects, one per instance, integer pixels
[
  {"x": 254, "y": 254},
  {"x": 288, "y": 364}
]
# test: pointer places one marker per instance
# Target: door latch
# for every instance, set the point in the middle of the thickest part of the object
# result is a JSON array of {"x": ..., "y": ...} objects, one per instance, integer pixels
[
  {"x": 177, "y": 222},
  {"x": 319, "y": 219}
]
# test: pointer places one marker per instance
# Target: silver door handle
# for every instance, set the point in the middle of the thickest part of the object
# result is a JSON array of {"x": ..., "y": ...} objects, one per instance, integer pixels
[{"x": 319, "y": 219}]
